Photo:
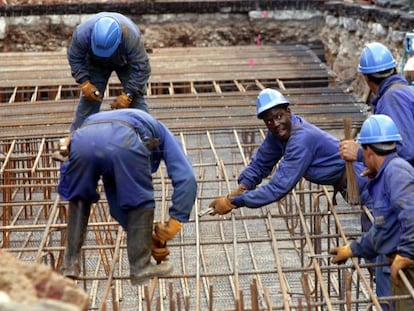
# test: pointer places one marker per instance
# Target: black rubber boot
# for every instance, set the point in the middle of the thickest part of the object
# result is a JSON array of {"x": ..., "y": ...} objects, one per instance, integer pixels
[
  {"x": 139, "y": 239},
  {"x": 78, "y": 216}
]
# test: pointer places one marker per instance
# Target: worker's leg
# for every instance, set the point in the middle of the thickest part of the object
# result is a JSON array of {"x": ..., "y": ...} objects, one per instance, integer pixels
[
  {"x": 382, "y": 282},
  {"x": 78, "y": 216},
  {"x": 139, "y": 235}
]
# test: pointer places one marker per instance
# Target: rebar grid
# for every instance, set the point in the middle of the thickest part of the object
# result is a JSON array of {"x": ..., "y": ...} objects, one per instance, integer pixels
[{"x": 272, "y": 258}]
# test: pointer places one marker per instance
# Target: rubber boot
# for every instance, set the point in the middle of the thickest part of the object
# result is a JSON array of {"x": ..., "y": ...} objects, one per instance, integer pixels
[
  {"x": 139, "y": 237},
  {"x": 78, "y": 216}
]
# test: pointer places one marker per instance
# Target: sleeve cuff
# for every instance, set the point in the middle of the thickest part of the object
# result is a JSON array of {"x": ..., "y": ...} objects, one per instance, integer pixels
[{"x": 238, "y": 201}]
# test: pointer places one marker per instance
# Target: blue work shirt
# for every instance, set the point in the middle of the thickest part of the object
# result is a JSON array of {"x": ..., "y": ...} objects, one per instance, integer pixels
[
  {"x": 395, "y": 98},
  {"x": 131, "y": 52},
  {"x": 392, "y": 191},
  {"x": 113, "y": 144},
  {"x": 309, "y": 152}
]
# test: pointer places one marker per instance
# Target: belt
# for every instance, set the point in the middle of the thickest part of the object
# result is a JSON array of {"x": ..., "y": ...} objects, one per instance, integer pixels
[{"x": 149, "y": 142}]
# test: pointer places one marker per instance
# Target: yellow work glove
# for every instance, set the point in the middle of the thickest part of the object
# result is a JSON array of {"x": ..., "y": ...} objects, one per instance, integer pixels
[
  {"x": 399, "y": 263},
  {"x": 342, "y": 253},
  {"x": 167, "y": 231},
  {"x": 121, "y": 102},
  {"x": 159, "y": 250},
  {"x": 91, "y": 92},
  {"x": 221, "y": 206}
]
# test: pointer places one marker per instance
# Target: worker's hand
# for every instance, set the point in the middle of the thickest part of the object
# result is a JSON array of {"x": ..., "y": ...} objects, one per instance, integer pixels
[
  {"x": 221, "y": 206},
  {"x": 342, "y": 254},
  {"x": 399, "y": 263},
  {"x": 368, "y": 173},
  {"x": 348, "y": 150},
  {"x": 237, "y": 191},
  {"x": 64, "y": 146},
  {"x": 166, "y": 231},
  {"x": 121, "y": 102},
  {"x": 91, "y": 92},
  {"x": 159, "y": 249}
]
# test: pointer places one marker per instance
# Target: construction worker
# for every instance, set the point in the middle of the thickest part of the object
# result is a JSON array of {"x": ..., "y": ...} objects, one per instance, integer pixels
[
  {"x": 106, "y": 42},
  {"x": 303, "y": 149},
  {"x": 395, "y": 98},
  {"x": 392, "y": 190},
  {"x": 125, "y": 147}
]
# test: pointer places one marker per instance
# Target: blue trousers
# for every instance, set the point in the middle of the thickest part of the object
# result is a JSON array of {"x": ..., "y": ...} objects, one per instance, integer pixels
[
  {"x": 114, "y": 152},
  {"x": 99, "y": 76}
]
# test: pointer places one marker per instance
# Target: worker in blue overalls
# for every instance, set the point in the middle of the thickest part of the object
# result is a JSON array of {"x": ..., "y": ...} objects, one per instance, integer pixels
[
  {"x": 303, "y": 150},
  {"x": 106, "y": 43},
  {"x": 392, "y": 190},
  {"x": 124, "y": 147},
  {"x": 395, "y": 98}
]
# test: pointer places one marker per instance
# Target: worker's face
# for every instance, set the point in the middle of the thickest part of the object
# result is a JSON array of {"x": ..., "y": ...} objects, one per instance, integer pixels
[{"x": 278, "y": 122}]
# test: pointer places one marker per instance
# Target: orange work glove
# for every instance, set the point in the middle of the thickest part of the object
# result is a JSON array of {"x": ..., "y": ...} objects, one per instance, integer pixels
[
  {"x": 399, "y": 263},
  {"x": 167, "y": 231},
  {"x": 121, "y": 102},
  {"x": 237, "y": 191},
  {"x": 159, "y": 250},
  {"x": 342, "y": 253},
  {"x": 221, "y": 206},
  {"x": 91, "y": 92}
]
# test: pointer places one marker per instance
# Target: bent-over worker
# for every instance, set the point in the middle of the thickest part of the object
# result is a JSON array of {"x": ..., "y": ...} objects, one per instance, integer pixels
[
  {"x": 106, "y": 42},
  {"x": 303, "y": 150},
  {"x": 125, "y": 147}
]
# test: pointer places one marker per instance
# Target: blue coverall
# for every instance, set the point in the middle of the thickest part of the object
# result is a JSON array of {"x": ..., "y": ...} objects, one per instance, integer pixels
[
  {"x": 392, "y": 191},
  {"x": 309, "y": 152},
  {"x": 130, "y": 62},
  {"x": 395, "y": 98},
  {"x": 113, "y": 145}
]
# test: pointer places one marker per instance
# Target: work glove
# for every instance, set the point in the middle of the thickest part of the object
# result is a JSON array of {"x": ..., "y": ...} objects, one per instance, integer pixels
[
  {"x": 237, "y": 191},
  {"x": 166, "y": 231},
  {"x": 221, "y": 206},
  {"x": 121, "y": 102},
  {"x": 64, "y": 146},
  {"x": 399, "y": 263},
  {"x": 342, "y": 254},
  {"x": 91, "y": 92},
  {"x": 159, "y": 250}
]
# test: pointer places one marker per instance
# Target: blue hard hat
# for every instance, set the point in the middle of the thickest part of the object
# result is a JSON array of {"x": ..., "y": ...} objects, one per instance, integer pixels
[
  {"x": 378, "y": 128},
  {"x": 269, "y": 98},
  {"x": 376, "y": 57},
  {"x": 106, "y": 36}
]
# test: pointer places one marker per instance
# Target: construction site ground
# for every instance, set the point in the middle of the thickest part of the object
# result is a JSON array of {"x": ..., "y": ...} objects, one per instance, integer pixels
[{"x": 270, "y": 258}]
